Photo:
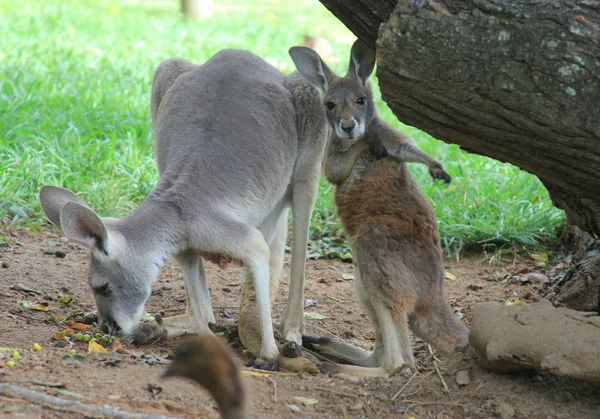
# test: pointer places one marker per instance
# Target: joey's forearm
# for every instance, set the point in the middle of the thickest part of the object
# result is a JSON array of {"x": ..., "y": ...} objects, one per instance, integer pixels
[{"x": 339, "y": 163}]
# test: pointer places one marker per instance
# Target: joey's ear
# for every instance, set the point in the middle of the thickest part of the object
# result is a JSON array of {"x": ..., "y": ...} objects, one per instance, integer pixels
[
  {"x": 362, "y": 62},
  {"x": 312, "y": 67},
  {"x": 83, "y": 225},
  {"x": 53, "y": 199}
]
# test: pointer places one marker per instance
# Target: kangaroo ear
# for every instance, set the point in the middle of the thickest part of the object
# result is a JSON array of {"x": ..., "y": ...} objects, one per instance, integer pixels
[
  {"x": 312, "y": 67},
  {"x": 362, "y": 62},
  {"x": 53, "y": 199},
  {"x": 83, "y": 225}
]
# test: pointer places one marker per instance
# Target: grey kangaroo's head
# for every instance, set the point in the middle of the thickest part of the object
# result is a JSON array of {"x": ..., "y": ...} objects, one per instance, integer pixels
[
  {"x": 120, "y": 275},
  {"x": 348, "y": 100}
]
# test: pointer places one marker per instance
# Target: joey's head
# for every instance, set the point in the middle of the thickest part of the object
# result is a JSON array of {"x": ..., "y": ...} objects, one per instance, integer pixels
[
  {"x": 120, "y": 276},
  {"x": 348, "y": 100}
]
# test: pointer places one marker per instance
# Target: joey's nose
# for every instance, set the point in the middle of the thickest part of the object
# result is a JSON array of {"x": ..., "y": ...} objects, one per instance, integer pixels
[{"x": 348, "y": 126}]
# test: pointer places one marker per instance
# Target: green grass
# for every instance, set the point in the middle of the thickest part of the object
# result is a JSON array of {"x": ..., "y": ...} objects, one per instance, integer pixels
[{"x": 75, "y": 82}]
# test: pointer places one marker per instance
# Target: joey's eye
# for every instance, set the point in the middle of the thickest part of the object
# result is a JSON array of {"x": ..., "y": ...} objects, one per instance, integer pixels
[
  {"x": 102, "y": 289},
  {"x": 330, "y": 105},
  {"x": 360, "y": 101}
]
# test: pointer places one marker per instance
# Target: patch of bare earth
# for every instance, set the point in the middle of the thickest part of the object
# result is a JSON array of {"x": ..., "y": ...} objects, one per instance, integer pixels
[{"x": 123, "y": 380}]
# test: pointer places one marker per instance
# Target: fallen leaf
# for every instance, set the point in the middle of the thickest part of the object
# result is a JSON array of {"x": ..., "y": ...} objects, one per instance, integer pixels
[
  {"x": 95, "y": 347},
  {"x": 449, "y": 276},
  {"x": 78, "y": 326},
  {"x": 305, "y": 401},
  {"x": 539, "y": 256},
  {"x": 65, "y": 299},
  {"x": 313, "y": 316},
  {"x": 512, "y": 301},
  {"x": 114, "y": 396},
  {"x": 118, "y": 347},
  {"x": 36, "y": 306},
  {"x": 250, "y": 373}
]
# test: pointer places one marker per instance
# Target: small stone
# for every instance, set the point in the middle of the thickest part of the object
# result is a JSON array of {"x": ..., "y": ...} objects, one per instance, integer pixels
[
  {"x": 64, "y": 240},
  {"x": 505, "y": 410},
  {"x": 60, "y": 254},
  {"x": 166, "y": 286},
  {"x": 348, "y": 277},
  {"x": 357, "y": 406},
  {"x": 52, "y": 243},
  {"x": 225, "y": 289},
  {"x": 475, "y": 287},
  {"x": 462, "y": 378},
  {"x": 534, "y": 278},
  {"x": 293, "y": 408},
  {"x": 5, "y": 265},
  {"x": 349, "y": 378}
]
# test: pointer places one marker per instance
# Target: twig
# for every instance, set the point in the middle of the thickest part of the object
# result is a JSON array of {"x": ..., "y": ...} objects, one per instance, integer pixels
[
  {"x": 324, "y": 330},
  {"x": 437, "y": 369},
  {"x": 268, "y": 372},
  {"x": 335, "y": 392},
  {"x": 76, "y": 406},
  {"x": 274, "y": 388},
  {"x": 551, "y": 288},
  {"x": 395, "y": 396},
  {"x": 41, "y": 383}
]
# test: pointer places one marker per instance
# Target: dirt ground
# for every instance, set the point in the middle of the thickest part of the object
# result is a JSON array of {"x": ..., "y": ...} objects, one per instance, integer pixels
[{"x": 123, "y": 379}]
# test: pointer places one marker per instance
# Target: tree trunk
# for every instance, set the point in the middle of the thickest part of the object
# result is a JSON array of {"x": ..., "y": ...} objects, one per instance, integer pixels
[
  {"x": 518, "y": 81},
  {"x": 197, "y": 9}
]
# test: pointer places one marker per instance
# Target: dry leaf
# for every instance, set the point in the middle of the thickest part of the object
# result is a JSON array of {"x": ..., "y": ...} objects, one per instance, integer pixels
[
  {"x": 449, "y": 276},
  {"x": 65, "y": 299},
  {"x": 313, "y": 316},
  {"x": 512, "y": 301},
  {"x": 78, "y": 326},
  {"x": 36, "y": 306},
  {"x": 305, "y": 401},
  {"x": 95, "y": 347},
  {"x": 250, "y": 373}
]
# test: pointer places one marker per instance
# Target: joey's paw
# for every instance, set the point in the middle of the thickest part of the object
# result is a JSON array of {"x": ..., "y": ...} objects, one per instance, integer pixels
[
  {"x": 439, "y": 174},
  {"x": 311, "y": 342},
  {"x": 263, "y": 364},
  {"x": 378, "y": 150},
  {"x": 146, "y": 332},
  {"x": 291, "y": 350}
]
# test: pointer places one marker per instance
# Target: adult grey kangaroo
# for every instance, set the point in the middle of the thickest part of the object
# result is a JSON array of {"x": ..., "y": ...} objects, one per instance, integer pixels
[
  {"x": 391, "y": 227},
  {"x": 237, "y": 143}
]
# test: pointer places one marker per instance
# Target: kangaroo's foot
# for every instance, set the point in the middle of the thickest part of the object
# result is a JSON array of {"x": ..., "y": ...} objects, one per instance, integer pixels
[{"x": 168, "y": 327}]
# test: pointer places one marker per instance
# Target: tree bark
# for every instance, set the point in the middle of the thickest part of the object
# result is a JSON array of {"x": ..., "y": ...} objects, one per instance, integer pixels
[{"x": 518, "y": 81}]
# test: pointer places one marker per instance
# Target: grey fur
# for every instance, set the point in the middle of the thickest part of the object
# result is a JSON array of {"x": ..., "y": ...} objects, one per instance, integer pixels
[{"x": 237, "y": 144}]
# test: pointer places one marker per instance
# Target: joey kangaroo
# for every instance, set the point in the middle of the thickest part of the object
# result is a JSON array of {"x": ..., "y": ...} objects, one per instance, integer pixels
[
  {"x": 237, "y": 144},
  {"x": 208, "y": 362},
  {"x": 391, "y": 227}
]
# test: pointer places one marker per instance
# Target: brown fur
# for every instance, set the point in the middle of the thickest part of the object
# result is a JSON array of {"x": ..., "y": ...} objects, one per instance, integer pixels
[
  {"x": 388, "y": 221},
  {"x": 206, "y": 361},
  {"x": 394, "y": 237}
]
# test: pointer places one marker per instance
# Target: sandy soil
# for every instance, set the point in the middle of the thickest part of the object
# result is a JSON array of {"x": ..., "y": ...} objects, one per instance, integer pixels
[{"x": 123, "y": 379}]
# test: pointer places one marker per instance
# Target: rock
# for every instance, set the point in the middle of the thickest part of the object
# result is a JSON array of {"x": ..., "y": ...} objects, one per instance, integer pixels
[
  {"x": 534, "y": 278},
  {"x": 348, "y": 277},
  {"x": 60, "y": 254},
  {"x": 357, "y": 406},
  {"x": 5, "y": 265},
  {"x": 462, "y": 378},
  {"x": 537, "y": 337},
  {"x": 505, "y": 410},
  {"x": 64, "y": 240},
  {"x": 166, "y": 286},
  {"x": 475, "y": 287},
  {"x": 52, "y": 243}
]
